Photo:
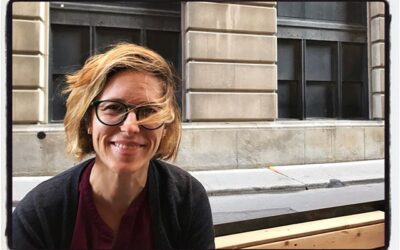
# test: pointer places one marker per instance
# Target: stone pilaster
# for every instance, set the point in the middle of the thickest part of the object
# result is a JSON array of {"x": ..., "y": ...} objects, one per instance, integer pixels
[
  {"x": 29, "y": 61},
  {"x": 377, "y": 59},
  {"x": 230, "y": 61}
]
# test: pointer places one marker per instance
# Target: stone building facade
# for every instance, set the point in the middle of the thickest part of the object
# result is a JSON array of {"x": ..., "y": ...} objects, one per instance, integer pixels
[{"x": 230, "y": 105}]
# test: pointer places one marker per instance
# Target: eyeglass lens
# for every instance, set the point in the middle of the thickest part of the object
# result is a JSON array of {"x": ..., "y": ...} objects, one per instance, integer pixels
[{"x": 113, "y": 113}]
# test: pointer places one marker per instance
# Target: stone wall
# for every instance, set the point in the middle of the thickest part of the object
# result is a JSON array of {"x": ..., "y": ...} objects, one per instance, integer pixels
[
  {"x": 254, "y": 145},
  {"x": 209, "y": 146},
  {"x": 29, "y": 61},
  {"x": 377, "y": 58},
  {"x": 230, "y": 59}
]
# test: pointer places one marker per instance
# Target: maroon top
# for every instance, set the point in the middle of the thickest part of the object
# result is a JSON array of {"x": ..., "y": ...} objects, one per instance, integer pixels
[{"x": 91, "y": 232}]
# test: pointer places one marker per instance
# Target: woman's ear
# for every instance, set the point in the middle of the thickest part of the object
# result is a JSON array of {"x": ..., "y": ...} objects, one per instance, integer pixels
[
  {"x": 164, "y": 133},
  {"x": 88, "y": 122},
  {"x": 89, "y": 126}
]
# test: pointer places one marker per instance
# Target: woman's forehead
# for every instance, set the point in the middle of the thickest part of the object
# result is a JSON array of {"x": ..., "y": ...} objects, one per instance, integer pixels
[{"x": 132, "y": 86}]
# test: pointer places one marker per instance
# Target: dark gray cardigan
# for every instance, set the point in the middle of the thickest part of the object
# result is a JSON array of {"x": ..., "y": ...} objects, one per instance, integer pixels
[{"x": 180, "y": 211}]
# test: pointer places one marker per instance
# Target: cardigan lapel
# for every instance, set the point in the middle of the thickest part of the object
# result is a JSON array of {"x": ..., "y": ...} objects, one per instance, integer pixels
[{"x": 159, "y": 231}]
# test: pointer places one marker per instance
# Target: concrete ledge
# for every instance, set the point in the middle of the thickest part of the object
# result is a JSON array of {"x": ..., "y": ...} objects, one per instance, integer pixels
[
  {"x": 207, "y": 149},
  {"x": 374, "y": 143},
  {"x": 44, "y": 157},
  {"x": 58, "y": 127},
  {"x": 237, "y": 76},
  {"x": 221, "y": 145},
  {"x": 260, "y": 148},
  {"x": 230, "y": 17},
  {"x": 345, "y": 141},
  {"x": 230, "y": 47},
  {"x": 315, "y": 141}
]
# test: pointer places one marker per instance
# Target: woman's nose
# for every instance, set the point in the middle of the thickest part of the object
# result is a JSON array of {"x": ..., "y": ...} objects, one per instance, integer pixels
[{"x": 130, "y": 125}]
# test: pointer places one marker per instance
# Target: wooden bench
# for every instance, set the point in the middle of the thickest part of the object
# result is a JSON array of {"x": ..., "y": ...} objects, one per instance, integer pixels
[{"x": 362, "y": 231}]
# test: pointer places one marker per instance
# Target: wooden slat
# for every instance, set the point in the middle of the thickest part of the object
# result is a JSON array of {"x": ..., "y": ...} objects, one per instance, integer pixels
[
  {"x": 265, "y": 236},
  {"x": 366, "y": 237}
]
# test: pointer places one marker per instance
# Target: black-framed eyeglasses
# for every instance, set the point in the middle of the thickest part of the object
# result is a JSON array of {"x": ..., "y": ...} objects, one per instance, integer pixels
[{"x": 113, "y": 113}]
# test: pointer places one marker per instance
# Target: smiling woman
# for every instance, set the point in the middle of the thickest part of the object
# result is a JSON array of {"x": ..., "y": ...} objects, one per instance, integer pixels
[{"x": 122, "y": 108}]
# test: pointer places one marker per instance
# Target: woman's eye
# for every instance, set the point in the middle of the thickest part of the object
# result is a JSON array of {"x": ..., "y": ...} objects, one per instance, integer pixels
[
  {"x": 114, "y": 108},
  {"x": 147, "y": 111}
]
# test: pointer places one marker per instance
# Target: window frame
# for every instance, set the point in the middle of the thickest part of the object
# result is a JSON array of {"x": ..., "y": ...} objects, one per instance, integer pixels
[
  {"x": 143, "y": 17},
  {"x": 307, "y": 30}
]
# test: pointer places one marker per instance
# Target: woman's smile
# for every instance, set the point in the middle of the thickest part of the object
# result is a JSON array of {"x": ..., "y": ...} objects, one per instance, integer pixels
[{"x": 127, "y": 147}]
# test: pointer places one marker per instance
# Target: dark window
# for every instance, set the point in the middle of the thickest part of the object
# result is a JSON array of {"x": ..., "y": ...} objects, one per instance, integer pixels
[
  {"x": 104, "y": 37},
  {"x": 322, "y": 62},
  {"x": 289, "y": 75},
  {"x": 341, "y": 12},
  {"x": 79, "y": 30},
  {"x": 354, "y": 80},
  {"x": 71, "y": 48},
  {"x": 320, "y": 79}
]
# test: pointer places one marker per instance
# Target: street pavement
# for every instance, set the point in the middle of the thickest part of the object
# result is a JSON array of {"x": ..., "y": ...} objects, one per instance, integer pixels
[{"x": 245, "y": 194}]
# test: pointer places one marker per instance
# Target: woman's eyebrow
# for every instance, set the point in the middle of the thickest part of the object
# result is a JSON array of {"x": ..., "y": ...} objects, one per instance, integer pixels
[
  {"x": 138, "y": 103},
  {"x": 121, "y": 101},
  {"x": 113, "y": 99}
]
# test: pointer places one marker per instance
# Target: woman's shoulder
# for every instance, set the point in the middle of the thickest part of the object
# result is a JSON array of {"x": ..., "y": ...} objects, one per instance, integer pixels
[
  {"x": 167, "y": 168},
  {"x": 44, "y": 217},
  {"x": 184, "y": 205},
  {"x": 171, "y": 171}
]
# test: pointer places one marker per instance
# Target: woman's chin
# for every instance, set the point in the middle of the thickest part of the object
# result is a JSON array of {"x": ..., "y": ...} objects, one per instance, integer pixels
[{"x": 124, "y": 166}]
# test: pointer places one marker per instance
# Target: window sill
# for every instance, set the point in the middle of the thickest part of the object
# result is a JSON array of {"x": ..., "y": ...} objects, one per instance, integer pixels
[
  {"x": 282, "y": 124},
  {"x": 59, "y": 127}
]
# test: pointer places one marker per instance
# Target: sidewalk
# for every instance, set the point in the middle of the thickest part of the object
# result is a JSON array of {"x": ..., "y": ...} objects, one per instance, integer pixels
[{"x": 244, "y": 194}]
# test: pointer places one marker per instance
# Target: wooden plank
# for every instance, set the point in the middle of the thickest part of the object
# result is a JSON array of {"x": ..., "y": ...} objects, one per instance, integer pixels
[
  {"x": 265, "y": 236},
  {"x": 366, "y": 237}
]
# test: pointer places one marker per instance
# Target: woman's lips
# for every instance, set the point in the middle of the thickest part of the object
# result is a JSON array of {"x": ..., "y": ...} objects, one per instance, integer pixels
[
  {"x": 127, "y": 147},
  {"x": 123, "y": 145}
]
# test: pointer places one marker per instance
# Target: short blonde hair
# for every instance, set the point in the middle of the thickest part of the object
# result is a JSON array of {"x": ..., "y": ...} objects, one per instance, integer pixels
[{"x": 86, "y": 84}]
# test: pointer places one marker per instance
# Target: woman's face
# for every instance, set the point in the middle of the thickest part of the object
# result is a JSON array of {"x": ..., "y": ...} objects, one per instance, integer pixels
[{"x": 127, "y": 147}]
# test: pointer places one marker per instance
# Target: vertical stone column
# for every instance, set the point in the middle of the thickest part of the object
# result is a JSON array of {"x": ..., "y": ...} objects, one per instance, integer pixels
[
  {"x": 377, "y": 58},
  {"x": 29, "y": 61},
  {"x": 230, "y": 59}
]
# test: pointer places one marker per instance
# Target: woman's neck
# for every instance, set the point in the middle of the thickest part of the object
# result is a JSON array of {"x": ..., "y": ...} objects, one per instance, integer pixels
[{"x": 116, "y": 191}]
